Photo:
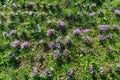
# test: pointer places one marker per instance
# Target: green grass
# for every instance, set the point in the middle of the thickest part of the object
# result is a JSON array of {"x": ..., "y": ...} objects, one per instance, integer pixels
[{"x": 34, "y": 28}]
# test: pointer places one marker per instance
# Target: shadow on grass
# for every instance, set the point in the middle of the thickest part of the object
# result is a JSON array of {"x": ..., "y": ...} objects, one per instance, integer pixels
[{"x": 103, "y": 77}]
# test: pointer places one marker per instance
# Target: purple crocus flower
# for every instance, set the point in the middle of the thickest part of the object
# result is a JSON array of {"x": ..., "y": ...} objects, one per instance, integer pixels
[
  {"x": 42, "y": 41},
  {"x": 67, "y": 40},
  {"x": 38, "y": 57},
  {"x": 93, "y": 5},
  {"x": 70, "y": 72},
  {"x": 51, "y": 68},
  {"x": 87, "y": 40},
  {"x": 110, "y": 49},
  {"x": 92, "y": 14},
  {"x": 35, "y": 70},
  {"x": 12, "y": 32},
  {"x": 46, "y": 73},
  {"x": 61, "y": 23},
  {"x": 12, "y": 13},
  {"x": 4, "y": 6},
  {"x": 31, "y": 4},
  {"x": 105, "y": 37},
  {"x": 104, "y": 28},
  {"x": 107, "y": 27},
  {"x": 14, "y": 6},
  {"x": 30, "y": 13},
  {"x": 100, "y": 37},
  {"x": 65, "y": 52},
  {"x": 25, "y": 44},
  {"x": 15, "y": 43},
  {"x": 52, "y": 44},
  {"x": 110, "y": 67},
  {"x": 111, "y": 36},
  {"x": 57, "y": 5},
  {"x": 118, "y": 65},
  {"x": 49, "y": 21},
  {"x": 83, "y": 50},
  {"x": 58, "y": 45},
  {"x": 116, "y": 27},
  {"x": 57, "y": 54},
  {"x": 19, "y": 5},
  {"x": 76, "y": 32},
  {"x": 86, "y": 30},
  {"x": 91, "y": 69},
  {"x": 117, "y": 12},
  {"x": 49, "y": 74},
  {"x": 59, "y": 39},
  {"x": 11, "y": 55},
  {"x": 5, "y": 33},
  {"x": 50, "y": 32},
  {"x": 101, "y": 70}
]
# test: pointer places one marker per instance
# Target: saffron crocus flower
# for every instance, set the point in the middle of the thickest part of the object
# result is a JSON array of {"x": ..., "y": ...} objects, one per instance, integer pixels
[
  {"x": 57, "y": 54},
  {"x": 15, "y": 43},
  {"x": 61, "y": 23},
  {"x": 25, "y": 44},
  {"x": 12, "y": 32},
  {"x": 117, "y": 12},
  {"x": 91, "y": 69},
  {"x": 50, "y": 32},
  {"x": 101, "y": 70},
  {"x": 70, "y": 72},
  {"x": 5, "y": 33},
  {"x": 52, "y": 44},
  {"x": 76, "y": 32}
]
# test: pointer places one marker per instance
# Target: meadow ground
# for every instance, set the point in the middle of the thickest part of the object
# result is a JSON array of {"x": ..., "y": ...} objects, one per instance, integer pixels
[{"x": 60, "y": 40}]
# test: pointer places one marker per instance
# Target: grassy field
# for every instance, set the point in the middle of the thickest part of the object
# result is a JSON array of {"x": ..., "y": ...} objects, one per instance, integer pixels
[{"x": 60, "y": 40}]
